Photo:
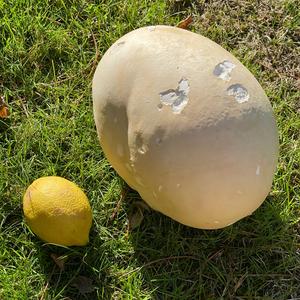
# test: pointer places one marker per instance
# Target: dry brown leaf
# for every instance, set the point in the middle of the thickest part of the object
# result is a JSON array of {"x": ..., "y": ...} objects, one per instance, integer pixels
[
  {"x": 4, "y": 112},
  {"x": 184, "y": 24},
  {"x": 59, "y": 261},
  {"x": 136, "y": 218},
  {"x": 83, "y": 284}
]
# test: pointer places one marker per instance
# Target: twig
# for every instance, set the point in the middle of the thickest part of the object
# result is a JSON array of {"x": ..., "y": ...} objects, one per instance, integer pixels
[
  {"x": 47, "y": 284},
  {"x": 97, "y": 54},
  {"x": 160, "y": 260},
  {"x": 117, "y": 208},
  {"x": 218, "y": 253},
  {"x": 24, "y": 108}
]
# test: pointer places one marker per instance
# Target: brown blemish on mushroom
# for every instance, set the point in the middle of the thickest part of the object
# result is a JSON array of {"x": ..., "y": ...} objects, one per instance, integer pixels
[
  {"x": 121, "y": 43},
  {"x": 141, "y": 147},
  {"x": 158, "y": 141}
]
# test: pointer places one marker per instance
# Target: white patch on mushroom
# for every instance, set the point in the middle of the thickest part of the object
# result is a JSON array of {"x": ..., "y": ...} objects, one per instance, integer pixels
[
  {"x": 178, "y": 185},
  {"x": 216, "y": 222},
  {"x": 154, "y": 194},
  {"x": 120, "y": 150},
  {"x": 142, "y": 150},
  {"x": 223, "y": 70},
  {"x": 239, "y": 92},
  {"x": 178, "y": 98},
  {"x": 160, "y": 188},
  {"x": 132, "y": 166},
  {"x": 257, "y": 172},
  {"x": 115, "y": 120},
  {"x": 151, "y": 28}
]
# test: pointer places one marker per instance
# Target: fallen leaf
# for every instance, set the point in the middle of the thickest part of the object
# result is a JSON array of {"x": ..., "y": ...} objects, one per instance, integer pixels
[
  {"x": 136, "y": 218},
  {"x": 184, "y": 24},
  {"x": 4, "y": 112},
  {"x": 137, "y": 215},
  {"x": 83, "y": 284},
  {"x": 59, "y": 261},
  {"x": 239, "y": 282}
]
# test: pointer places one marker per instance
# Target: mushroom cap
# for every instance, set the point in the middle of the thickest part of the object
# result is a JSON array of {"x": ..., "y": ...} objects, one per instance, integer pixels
[{"x": 185, "y": 124}]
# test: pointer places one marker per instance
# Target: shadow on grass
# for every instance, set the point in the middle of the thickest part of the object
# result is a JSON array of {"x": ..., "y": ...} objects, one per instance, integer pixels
[
  {"x": 54, "y": 272},
  {"x": 73, "y": 273},
  {"x": 5, "y": 128},
  {"x": 255, "y": 258}
]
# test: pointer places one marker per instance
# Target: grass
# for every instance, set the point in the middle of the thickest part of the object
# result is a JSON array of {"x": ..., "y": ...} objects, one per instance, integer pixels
[{"x": 48, "y": 53}]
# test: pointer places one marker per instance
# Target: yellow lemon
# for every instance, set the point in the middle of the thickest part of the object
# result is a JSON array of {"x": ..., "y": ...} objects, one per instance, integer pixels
[{"x": 58, "y": 211}]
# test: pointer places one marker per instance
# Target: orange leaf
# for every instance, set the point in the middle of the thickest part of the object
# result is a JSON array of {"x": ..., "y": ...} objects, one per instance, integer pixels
[
  {"x": 4, "y": 113},
  {"x": 184, "y": 24}
]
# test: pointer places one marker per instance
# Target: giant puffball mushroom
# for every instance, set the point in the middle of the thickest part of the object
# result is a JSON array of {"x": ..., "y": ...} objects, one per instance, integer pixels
[{"x": 185, "y": 124}]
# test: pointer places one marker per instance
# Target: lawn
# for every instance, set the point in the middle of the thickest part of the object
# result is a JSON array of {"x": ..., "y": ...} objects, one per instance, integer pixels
[{"x": 48, "y": 53}]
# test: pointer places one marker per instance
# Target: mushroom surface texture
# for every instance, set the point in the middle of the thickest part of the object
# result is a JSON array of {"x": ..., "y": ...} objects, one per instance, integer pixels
[{"x": 185, "y": 124}]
